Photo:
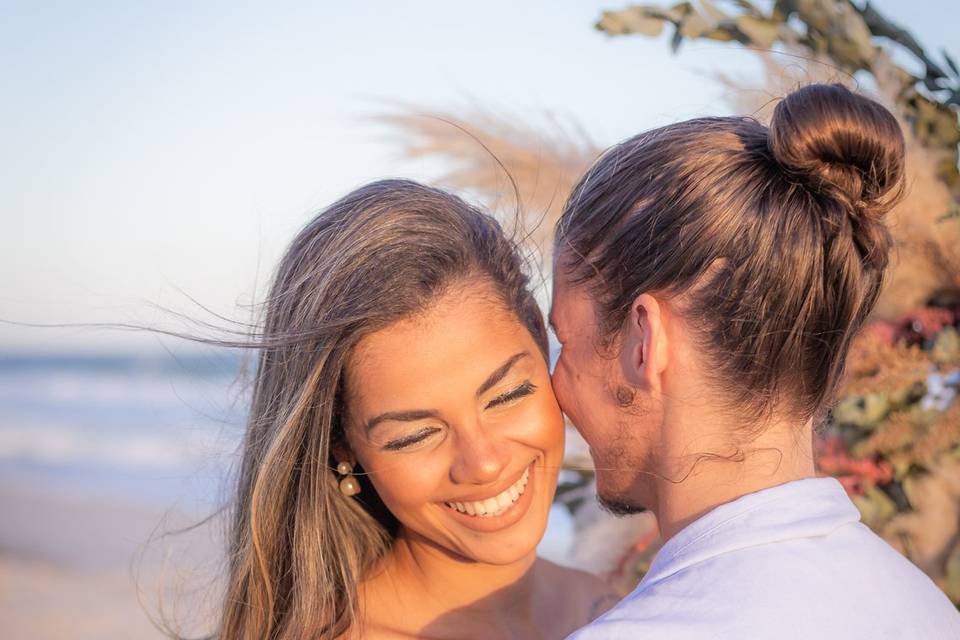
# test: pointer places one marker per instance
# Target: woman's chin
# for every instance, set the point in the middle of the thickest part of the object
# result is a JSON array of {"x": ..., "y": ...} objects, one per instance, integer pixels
[
  {"x": 504, "y": 550},
  {"x": 512, "y": 536}
]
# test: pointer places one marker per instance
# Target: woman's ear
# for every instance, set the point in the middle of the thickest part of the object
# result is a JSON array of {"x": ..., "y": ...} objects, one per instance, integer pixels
[
  {"x": 341, "y": 453},
  {"x": 643, "y": 357}
]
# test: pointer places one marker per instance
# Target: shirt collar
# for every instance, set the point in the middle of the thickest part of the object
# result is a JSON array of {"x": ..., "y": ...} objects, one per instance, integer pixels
[{"x": 799, "y": 509}]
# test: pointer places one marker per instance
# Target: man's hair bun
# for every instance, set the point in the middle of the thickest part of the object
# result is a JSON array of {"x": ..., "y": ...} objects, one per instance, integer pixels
[{"x": 842, "y": 145}]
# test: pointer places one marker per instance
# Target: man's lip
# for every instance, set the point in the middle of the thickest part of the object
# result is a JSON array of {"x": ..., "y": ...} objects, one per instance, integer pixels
[{"x": 493, "y": 493}]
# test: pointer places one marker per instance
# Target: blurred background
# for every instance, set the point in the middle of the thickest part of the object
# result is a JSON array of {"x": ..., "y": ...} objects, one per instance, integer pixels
[{"x": 157, "y": 157}]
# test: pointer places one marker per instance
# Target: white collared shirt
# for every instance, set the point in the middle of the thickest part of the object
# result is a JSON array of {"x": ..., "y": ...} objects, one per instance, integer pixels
[{"x": 789, "y": 562}]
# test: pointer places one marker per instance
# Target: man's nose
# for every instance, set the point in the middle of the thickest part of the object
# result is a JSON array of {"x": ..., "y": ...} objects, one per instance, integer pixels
[{"x": 481, "y": 457}]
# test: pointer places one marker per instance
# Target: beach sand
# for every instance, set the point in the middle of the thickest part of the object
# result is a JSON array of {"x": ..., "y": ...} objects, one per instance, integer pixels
[{"x": 71, "y": 566}]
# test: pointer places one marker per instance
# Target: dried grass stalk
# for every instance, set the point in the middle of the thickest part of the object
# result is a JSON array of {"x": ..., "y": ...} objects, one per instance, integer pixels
[{"x": 513, "y": 166}]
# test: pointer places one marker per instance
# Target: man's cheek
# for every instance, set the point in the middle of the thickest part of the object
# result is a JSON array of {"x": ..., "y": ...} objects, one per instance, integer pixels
[
  {"x": 570, "y": 372},
  {"x": 572, "y": 394},
  {"x": 560, "y": 390}
]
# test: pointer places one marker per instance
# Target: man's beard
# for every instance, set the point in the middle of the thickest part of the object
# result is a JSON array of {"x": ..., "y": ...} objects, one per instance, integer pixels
[
  {"x": 619, "y": 508},
  {"x": 629, "y": 451},
  {"x": 621, "y": 503}
]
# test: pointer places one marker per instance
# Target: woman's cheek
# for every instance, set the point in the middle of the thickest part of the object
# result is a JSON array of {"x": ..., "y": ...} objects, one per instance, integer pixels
[
  {"x": 404, "y": 481},
  {"x": 539, "y": 424}
]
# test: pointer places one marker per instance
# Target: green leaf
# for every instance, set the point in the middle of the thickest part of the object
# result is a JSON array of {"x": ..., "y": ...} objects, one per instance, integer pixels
[
  {"x": 696, "y": 25},
  {"x": 864, "y": 412},
  {"x": 721, "y": 34},
  {"x": 761, "y": 33},
  {"x": 876, "y": 507},
  {"x": 676, "y": 40},
  {"x": 747, "y": 6},
  {"x": 915, "y": 485},
  {"x": 951, "y": 63},
  {"x": 849, "y": 39},
  {"x": 901, "y": 465},
  {"x": 946, "y": 347},
  {"x": 631, "y": 20},
  {"x": 908, "y": 395},
  {"x": 675, "y": 13},
  {"x": 712, "y": 11},
  {"x": 815, "y": 13}
]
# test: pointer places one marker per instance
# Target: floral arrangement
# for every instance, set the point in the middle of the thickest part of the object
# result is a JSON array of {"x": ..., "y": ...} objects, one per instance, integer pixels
[{"x": 894, "y": 437}]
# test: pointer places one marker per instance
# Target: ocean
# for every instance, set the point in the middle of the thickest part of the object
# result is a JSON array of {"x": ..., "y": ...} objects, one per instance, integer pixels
[{"x": 160, "y": 429}]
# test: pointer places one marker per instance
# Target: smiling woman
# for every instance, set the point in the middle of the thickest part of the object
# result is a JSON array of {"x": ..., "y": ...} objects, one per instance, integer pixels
[{"x": 404, "y": 441}]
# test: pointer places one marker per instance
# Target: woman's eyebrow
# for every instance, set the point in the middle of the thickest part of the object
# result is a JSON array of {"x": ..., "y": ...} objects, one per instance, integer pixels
[
  {"x": 501, "y": 371},
  {"x": 422, "y": 414},
  {"x": 401, "y": 416}
]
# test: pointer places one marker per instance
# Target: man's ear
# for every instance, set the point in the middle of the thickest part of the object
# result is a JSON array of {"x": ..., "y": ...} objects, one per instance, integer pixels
[{"x": 644, "y": 353}]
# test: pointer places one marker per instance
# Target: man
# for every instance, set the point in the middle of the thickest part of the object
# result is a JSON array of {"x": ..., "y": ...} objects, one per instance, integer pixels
[{"x": 708, "y": 279}]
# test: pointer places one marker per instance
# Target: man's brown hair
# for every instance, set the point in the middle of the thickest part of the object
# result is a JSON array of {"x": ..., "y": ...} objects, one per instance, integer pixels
[{"x": 774, "y": 237}]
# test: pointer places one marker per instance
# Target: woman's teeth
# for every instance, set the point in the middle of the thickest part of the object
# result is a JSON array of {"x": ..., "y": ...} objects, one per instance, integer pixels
[{"x": 497, "y": 504}]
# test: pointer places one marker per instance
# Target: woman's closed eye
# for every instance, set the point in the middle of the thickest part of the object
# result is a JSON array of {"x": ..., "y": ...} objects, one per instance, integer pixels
[
  {"x": 525, "y": 389},
  {"x": 420, "y": 435},
  {"x": 409, "y": 440}
]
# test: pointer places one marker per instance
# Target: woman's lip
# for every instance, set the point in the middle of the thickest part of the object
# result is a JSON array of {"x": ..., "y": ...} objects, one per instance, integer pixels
[
  {"x": 513, "y": 514},
  {"x": 492, "y": 494}
]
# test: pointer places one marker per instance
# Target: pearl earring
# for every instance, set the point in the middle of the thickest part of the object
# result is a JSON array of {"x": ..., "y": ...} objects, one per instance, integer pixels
[{"x": 348, "y": 485}]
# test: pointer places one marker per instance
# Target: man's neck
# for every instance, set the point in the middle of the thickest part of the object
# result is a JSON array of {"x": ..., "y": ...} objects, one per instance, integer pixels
[{"x": 716, "y": 472}]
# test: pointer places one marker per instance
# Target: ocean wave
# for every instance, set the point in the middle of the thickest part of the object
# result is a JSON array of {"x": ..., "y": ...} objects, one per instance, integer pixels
[
  {"x": 111, "y": 389},
  {"x": 65, "y": 445}
]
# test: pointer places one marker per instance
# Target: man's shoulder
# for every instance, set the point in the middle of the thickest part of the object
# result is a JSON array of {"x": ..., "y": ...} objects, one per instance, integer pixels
[
  {"x": 629, "y": 619},
  {"x": 853, "y": 580}
]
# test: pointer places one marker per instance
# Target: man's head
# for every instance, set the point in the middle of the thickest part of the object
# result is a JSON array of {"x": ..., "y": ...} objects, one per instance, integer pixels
[
  {"x": 719, "y": 262},
  {"x": 611, "y": 391}
]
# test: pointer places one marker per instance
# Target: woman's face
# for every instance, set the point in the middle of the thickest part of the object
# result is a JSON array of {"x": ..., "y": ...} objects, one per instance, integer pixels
[{"x": 452, "y": 415}]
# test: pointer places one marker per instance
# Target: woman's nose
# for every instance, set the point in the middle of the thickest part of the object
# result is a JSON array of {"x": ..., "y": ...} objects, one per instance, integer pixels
[{"x": 481, "y": 458}]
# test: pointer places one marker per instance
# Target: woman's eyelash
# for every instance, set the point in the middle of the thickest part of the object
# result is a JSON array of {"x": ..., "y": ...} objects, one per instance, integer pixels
[
  {"x": 413, "y": 438},
  {"x": 524, "y": 389}
]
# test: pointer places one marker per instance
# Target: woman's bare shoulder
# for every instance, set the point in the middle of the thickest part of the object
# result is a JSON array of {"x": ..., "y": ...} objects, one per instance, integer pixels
[{"x": 580, "y": 591}]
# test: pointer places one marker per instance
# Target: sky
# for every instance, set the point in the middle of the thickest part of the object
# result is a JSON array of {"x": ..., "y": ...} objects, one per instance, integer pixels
[{"x": 153, "y": 153}]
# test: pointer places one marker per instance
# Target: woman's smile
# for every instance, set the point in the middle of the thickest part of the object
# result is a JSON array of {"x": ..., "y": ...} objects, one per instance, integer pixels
[{"x": 499, "y": 509}]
